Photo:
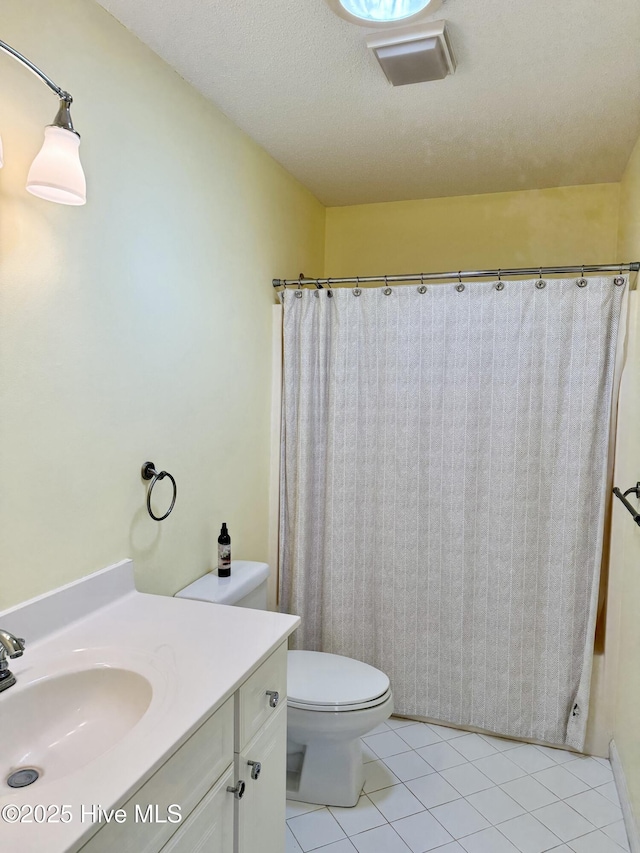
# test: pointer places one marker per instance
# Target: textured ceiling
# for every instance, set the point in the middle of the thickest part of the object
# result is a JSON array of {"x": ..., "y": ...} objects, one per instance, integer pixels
[{"x": 545, "y": 94}]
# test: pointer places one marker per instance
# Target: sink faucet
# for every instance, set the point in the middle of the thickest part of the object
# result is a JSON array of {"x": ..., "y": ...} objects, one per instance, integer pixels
[{"x": 12, "y": 647}]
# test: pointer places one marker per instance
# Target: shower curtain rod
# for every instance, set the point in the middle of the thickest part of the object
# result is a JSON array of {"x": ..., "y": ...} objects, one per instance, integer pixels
[{"x": 457, "y": 275}]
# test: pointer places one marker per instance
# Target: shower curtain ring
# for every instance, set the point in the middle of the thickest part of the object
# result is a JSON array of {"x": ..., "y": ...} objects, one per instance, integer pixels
[
  {"x": 582, "y": 281},
  {"x": 356, "y": 290},
  {"x": 387, "y": 290},
  {"x": 423, "y": 286}
]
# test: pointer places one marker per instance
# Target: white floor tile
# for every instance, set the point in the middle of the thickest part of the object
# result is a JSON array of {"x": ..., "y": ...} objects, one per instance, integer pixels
[
  {"x": 359, "y": 818},
  {"x": 595, "y": 842},
  {"x": 386, "y": 743},
  {"x": 610, "y": 792},
  {"x": 595, "y": 808},
  {"x": 530, "y": 759},
  {"x": 344, "y": 846},
  {"x": 459, "y": 818},
  {"x": 383, "y": 727},
  {"x": 295, "y": 808},
  {"x": 557, "y": 754},
  {"x": 529, "y": 835},
  {"x": 396, "y": 802},
  {"x": 473, "y": 747},
  {"x": 488, "y": 841},
  {"x": 590, "y": 771},
  {"x": 399, "y": 722},
  {"x": 563, "y": 821},
  {"x": 500, "y": 743},
  {"x": 562, "y": 783},
  {"x": 408, "y": 765},
  {"x": 467, "y": 779},
  {"x": 529, "y": 793},
  {"x": 447, "y": 733},
  {"x": 617, "y": 832},
  {"x": 381, "y": 840},
  {"x": 422, "y": 832},
  {"x": 433, "y": 790},
  {"x": 367, "y": 753},
  {"x": 495, "y": 805},
  {"x": 377, "y": 775},
  {"x": 441, "y": 755},
  {"x": 291, "y": 845},
  {"x": 417, "y": 735},
  {"x": 426, "y": 785},
  {"x": 499, "y": 768},
  {"x": 315, "y": 829}
]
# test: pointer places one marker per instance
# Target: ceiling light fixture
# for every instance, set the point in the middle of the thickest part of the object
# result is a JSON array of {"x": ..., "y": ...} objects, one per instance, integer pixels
[
  {"x": 382, "y": 13},
  {"x": 56, "y": 173}
]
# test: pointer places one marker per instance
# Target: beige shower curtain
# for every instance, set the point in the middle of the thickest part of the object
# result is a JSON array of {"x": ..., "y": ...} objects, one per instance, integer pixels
[{"x": 444, "y": 460}]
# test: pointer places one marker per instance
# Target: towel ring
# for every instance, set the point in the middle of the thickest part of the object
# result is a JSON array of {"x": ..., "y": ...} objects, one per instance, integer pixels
[{"x": 149, "y": 473}]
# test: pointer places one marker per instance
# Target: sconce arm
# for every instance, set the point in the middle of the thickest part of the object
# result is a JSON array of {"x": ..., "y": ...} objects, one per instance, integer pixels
[{"x": 64, "y": 96}]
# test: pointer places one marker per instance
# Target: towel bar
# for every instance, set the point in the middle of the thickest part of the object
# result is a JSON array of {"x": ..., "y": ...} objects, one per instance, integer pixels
[{"x": 623, "y": 497}]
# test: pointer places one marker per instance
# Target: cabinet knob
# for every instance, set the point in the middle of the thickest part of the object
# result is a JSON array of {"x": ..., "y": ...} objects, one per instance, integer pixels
[
  {"x": 256, "y": 767},
  {"x": 238, "y": 791},
  {"x": 274, "y": 697}
]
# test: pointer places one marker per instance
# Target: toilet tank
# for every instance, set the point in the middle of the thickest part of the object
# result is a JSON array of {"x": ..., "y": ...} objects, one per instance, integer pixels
[{"x": 247, "y": 586}]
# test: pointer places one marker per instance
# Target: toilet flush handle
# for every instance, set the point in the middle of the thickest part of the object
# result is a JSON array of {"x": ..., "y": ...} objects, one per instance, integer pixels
[{"x": 274, "y": 697}]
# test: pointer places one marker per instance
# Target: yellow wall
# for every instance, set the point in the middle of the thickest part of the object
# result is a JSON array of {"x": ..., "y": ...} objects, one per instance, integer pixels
[
  {"x": 137, "y": 327},
  {"x": 549, "y": 227},
  {"x": 625, "y": 544}
]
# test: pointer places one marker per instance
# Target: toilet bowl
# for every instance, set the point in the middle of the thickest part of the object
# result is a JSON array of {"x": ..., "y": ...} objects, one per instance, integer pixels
[{"x": 332, "y": 700}]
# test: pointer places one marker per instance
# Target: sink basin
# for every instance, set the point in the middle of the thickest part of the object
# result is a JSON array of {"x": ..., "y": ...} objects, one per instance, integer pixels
[{"x": 58, "y": 724}]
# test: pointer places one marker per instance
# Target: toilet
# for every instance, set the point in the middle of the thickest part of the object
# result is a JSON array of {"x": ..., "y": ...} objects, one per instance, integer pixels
[{"x": 332, "y": 700}]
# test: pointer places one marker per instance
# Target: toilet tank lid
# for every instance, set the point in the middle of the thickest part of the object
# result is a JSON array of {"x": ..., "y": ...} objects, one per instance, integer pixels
[
  {"x": 320, "y": 678},
  {"x": 245, "y": 577}
]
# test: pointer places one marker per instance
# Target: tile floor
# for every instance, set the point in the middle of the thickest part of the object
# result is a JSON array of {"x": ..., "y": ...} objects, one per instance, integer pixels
[{"x": 433, "y": 788}]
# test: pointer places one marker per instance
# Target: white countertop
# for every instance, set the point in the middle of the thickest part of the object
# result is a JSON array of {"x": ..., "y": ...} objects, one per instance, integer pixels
[{"x": 194, "y": 654}]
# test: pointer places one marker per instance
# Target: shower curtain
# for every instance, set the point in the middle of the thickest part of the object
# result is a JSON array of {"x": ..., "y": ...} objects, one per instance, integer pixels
[{"x": 443, "y": 488}]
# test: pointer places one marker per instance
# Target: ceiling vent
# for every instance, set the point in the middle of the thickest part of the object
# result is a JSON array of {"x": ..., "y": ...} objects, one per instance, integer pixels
[{"x": 415, "y": 54}]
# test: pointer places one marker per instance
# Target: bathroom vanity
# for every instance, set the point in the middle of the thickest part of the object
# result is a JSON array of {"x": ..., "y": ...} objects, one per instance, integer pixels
[{"x": 158, "y": 724}]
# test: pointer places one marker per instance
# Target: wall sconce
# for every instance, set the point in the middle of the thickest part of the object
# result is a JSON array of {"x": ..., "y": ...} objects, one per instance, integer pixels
[{"x": 56, "y": 173}]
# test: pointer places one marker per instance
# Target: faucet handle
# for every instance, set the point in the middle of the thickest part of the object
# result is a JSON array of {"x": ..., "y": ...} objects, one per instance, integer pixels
[{"x": 14, "y": 646}]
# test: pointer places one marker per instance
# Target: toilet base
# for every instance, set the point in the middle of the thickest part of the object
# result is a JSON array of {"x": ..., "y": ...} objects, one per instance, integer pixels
[
  {"x": 324, "y": 753},
  {"x": 332, "y": 774}
]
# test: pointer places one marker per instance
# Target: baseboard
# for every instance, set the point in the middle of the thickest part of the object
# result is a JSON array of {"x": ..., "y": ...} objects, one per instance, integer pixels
[{"x": 623, "y": 793}]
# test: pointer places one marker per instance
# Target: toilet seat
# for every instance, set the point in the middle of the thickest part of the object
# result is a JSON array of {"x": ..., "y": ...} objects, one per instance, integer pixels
[{"x": 318, "y": 681}]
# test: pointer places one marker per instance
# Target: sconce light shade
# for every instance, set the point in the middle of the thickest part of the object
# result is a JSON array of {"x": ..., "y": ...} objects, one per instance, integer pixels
[{"x": 56, "y": 173}]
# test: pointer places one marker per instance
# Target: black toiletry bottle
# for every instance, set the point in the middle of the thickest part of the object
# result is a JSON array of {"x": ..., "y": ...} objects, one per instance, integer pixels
[{"x": 224, "y": 553}]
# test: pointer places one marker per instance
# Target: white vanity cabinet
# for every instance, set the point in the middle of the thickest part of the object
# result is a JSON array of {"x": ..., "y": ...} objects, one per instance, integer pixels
[
  {"x": 251, "y": 726},
  {"x": 260, "y": 758}
]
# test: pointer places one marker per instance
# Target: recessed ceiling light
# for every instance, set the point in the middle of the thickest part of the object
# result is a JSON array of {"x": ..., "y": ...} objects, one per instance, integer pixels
[{"x": 377, "y": 13}]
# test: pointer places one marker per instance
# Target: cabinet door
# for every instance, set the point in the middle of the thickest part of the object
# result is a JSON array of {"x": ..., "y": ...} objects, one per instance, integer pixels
[
  {"x": 260, "y": 814},
  {"x": 209, "y": 828}
]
